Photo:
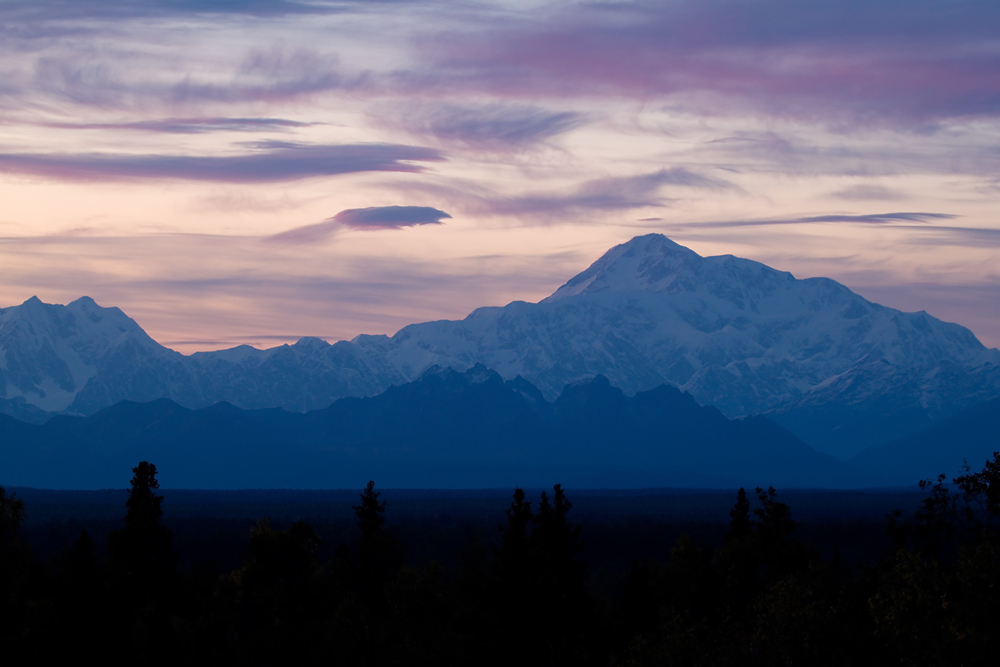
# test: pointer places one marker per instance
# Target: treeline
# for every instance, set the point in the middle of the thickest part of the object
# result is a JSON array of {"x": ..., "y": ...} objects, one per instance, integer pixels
[{"x": 762, "y": 597}]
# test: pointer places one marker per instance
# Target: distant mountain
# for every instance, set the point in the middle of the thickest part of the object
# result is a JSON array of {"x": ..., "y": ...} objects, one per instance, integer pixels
[
  {"x": 447, "y": 429},
  {"x": 971, "y": 436},
  {"x": 839, "y": 371}
]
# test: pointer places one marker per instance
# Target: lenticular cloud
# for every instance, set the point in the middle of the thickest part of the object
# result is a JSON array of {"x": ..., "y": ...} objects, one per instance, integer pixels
[{"x": 390, "y": 217}]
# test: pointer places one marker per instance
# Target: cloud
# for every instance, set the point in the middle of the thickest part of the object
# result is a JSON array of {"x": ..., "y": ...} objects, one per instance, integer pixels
[
  {"x": 851, "y": 62},
  {"x": 188, "y": 125},
  {"x": 963, "y": 237},
  {"x": 185, "y": 287},
  {"x": 374, "y": 217},
  {"x": 603, "y": 194},
  {"x": 269, "y": 75},
  {"x": 63, "y": 10},
  {"x": 870, "y": 219},
  {"x": 390, "y": 217},
  {"x": 868, "y": 193},
  {"x": 964, "y": 150},
  {"x": 271, "y": 162},
  {"x": 492, "y": 126},
  {"x": 124, "y": 75}
]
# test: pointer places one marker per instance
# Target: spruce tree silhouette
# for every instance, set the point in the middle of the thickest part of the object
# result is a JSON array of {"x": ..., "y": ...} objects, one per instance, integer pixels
[
  {"x": 560, "y": 581},
  {"x": 557, "y": 544},
  {"x": 144, "y": 567},
  {"x": 740, "y": 525},
  {"x": 377, "y": 557},
  {"x": 512, "y": 558},
  {"x": 738, "y": 567},
  {"x": 543, "y": 605},
  {"x": 779, "y": 553},
  {"x": 377, "y": 553},
  {"x": 519, "y": 616}
]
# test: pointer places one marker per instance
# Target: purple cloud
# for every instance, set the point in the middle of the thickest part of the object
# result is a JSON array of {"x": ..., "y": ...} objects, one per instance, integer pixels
[
  {"x": 865, "y": 192},
  {"x": 270, "y": 75},
  {"x": 264, "y": 75},
  {"x": 390, "y": 217},
  {"x": 272, "y": 162},
  {"x": 189, "y": 125},
  {"x": 603, "y": 194},
  {"x": 36, "y": 10},
  {"x": 374, "y": 217},
  {"x": 870, "y": 218},
  {"x": 493, "y": 126},
  {"x": 854, "y": 61}
]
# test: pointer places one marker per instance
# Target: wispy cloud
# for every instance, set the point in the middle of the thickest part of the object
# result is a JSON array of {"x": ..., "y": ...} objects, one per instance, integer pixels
[
  {"x": 863, "y": 155},
  {"x": 273, "y": 162},
  {"x": 857, "y": 62},
  {"x": 130, "y": 77},
  {"x": 269, "y": 75},
  {"x": 619, "y": 193},
  {"x": 63, "y": 10},
  {"x": 188, "y": 125},
  {"x": 867, "y": 219},
  {"x": 491, "y": 126},
  {"x": 374, "y": 217},
  {"x": 864, "y": 192},
  {"x": 963, "y": 237}
]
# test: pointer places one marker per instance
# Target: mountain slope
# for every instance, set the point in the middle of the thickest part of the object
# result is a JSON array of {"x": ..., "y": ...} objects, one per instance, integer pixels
[
  {"x": 82, "y": 357},
  {"x": 447, "y": 429},
  {"x": 971, "y": 436},
  {"x": 840, "y": 372}
]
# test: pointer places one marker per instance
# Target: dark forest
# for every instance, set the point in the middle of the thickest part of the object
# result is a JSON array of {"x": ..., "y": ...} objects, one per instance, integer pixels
[{"x": 527, "y": 586}]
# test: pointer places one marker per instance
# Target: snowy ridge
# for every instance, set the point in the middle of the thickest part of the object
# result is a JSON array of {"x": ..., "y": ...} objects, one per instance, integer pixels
[
  {"x": 732, "y": 332},
  {"x": 49, "y": 353}
]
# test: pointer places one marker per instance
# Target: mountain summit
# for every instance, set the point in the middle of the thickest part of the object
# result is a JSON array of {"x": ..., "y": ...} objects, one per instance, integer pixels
[
  {"x": 839, "y": 371},
  {"x": 652, "y": 263}
]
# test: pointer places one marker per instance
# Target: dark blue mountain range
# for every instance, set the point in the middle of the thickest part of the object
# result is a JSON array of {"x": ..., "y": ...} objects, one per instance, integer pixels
[
  {"x": 446, "y": 429},
  {"x": 972, "y": 436}
]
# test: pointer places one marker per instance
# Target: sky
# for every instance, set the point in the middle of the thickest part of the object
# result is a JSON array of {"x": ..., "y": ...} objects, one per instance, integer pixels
[{"x": 254, "y": 171}]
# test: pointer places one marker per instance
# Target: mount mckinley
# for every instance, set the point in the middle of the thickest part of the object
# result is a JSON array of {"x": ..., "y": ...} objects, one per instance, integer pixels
[{"x": 838, "y": 371}]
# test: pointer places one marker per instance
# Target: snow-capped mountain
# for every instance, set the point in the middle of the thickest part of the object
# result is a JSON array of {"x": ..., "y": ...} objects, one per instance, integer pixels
[
  {"x": 58, "y": 358},
  {"x": 732, "y": 332}
]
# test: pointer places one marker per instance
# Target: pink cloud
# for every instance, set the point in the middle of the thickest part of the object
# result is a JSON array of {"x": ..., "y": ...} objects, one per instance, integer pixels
[{"x": 893, "y": 61}]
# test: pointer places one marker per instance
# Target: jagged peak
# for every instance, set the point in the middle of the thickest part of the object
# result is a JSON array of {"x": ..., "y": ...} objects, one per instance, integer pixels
[
  {"x": 311, "y": 342},
  {"x": 480, "y": 373}
]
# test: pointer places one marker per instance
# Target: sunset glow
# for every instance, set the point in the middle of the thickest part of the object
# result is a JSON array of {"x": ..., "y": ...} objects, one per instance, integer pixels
[{"x": 223, "y": 172}]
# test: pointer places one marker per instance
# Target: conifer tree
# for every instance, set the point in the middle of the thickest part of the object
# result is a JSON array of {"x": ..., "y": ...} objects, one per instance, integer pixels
[
  {"x": 377, "y": 557},
  {"x": 513, "y": 557},
  {"x": 740, "y": 525},
  {"x": 560, "y": 590},
  {"x": 517, "y": 608},
  {"x": 144, "y": 567}
]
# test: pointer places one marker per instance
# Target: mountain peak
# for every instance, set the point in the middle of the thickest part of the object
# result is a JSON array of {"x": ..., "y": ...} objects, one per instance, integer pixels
[{"x": 647, "y": 262}]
